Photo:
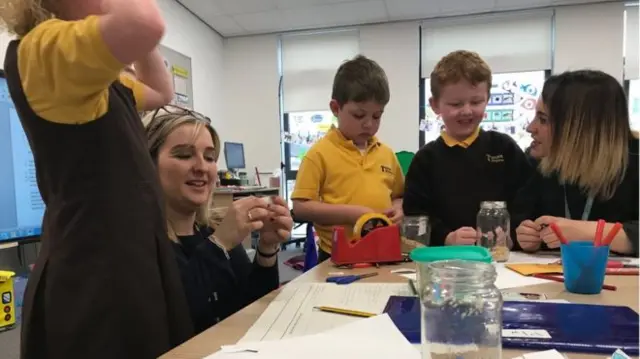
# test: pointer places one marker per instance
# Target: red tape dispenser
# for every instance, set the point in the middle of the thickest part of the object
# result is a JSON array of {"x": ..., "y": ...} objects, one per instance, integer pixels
[{"x": 375, "y": 240}]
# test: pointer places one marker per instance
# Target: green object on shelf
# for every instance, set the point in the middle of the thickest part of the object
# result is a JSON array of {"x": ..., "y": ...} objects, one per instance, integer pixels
[{"x": 405, "y": 158}]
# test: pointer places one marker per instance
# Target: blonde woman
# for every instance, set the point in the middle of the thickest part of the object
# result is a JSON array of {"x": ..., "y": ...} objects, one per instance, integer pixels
[
  {"x": 216, "y": 272},
  {"x": 589, "y": 164},
  {"x": 105, "y": 284}
]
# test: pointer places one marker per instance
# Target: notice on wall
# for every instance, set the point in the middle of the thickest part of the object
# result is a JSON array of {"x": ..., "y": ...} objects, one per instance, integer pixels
[{"x": 179, "y": 66}]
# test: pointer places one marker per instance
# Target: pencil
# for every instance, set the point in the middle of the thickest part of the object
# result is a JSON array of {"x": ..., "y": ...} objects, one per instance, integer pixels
[
  {"x": 412, "y": 286},
  {"x": 561, "y": 280},
  {"x": 354, "y": 313}
]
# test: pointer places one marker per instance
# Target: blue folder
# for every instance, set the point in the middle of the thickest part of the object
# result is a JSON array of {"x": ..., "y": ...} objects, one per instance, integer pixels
[{"x": 572, "y": 327}]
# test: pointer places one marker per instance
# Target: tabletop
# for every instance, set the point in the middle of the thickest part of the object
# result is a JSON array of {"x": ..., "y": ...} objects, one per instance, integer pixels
[{"x": 234, "y": 328}]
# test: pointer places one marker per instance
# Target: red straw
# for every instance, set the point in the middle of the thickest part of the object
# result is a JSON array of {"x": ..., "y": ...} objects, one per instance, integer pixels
[
  {"x": 612, "y": 234},
  {"x": 556, "y": 230},
  {"x": 599, "y": 231}
]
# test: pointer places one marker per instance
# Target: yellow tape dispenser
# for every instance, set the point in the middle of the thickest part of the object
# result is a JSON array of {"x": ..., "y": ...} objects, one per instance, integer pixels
[{"x": 368, "y": 223}]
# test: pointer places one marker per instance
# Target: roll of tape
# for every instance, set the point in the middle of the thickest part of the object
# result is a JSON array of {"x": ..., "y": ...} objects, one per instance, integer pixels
[{"x": 368, "y": 223}]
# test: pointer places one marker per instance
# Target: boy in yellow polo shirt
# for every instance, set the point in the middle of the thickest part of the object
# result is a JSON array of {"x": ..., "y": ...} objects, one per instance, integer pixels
[{"x": 349, "y": 172}]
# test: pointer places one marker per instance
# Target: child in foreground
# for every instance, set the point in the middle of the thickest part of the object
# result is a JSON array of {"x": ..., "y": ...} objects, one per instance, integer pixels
[
  {"x": 349, "y": 172},
  {"x": 450, "y": 177},
  {"x": 106, "y": 283}
]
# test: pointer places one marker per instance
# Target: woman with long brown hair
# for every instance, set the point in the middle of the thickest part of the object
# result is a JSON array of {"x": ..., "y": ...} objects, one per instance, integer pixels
[{"x": 588, "y": 168}]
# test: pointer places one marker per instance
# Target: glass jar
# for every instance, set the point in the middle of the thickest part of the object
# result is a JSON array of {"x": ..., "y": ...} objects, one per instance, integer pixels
[
  {"x": 414, "y": 232},
  {"x": 493, "y": 225},
  {"x": 461, "y": 312}
]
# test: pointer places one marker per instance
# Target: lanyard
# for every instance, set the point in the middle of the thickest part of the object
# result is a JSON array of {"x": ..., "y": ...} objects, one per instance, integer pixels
[{"x": 587, "y": 206}]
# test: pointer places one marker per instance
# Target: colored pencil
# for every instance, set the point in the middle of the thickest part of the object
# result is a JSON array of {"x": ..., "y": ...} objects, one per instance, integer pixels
[{"x": 561, "y": 280}]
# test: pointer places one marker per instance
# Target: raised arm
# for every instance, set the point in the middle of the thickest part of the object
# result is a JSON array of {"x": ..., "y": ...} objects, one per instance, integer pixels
[{"x": 66, "y": 66}]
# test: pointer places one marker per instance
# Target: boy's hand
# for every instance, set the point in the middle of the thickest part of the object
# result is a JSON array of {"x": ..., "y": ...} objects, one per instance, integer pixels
[
  {"x": 395, "y": 214},
  {"x": 528, "y": 236},
  {"x": 462, "y": 236},
  {"x": 355, "y": 212}
]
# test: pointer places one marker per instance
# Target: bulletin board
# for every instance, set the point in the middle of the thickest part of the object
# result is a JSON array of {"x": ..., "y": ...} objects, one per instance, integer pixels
[{"x": 179, "y": 66}]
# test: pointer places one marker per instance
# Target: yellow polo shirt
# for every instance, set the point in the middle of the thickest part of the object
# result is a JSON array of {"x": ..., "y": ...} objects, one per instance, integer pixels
[{"x": 335, "y": 171}]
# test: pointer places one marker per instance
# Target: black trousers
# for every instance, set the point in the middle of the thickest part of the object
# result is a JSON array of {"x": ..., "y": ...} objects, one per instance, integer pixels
[{"x": 323, "y": 256}]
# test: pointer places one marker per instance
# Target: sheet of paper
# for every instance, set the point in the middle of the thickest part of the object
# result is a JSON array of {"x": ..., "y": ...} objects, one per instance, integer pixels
[
  {"x": 506, "y": 278},
  {"x": 180, "y": 85},
  {"x": 292, "y": 312},
  {"x": 371, "y": 338},
  {"x": 547, "y": 354},
  {"x": 540, "y": 258},
  {"x": 510, "y": 279}
]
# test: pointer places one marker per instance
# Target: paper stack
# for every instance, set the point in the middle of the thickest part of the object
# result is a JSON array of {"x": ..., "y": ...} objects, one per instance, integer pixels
[{"x": 372, "y": 338}]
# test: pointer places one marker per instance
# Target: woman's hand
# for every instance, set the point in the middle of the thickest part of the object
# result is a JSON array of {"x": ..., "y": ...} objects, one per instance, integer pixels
[
  {"x": 566, "y": 226},
  {"x": 277, "y": 227},
  {"x": 528, "y": 236},
  {"x": 243, "y": 216}
]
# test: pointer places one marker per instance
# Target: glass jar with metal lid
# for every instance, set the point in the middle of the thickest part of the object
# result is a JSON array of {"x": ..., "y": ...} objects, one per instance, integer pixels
[{"x": 493, "y": 225}]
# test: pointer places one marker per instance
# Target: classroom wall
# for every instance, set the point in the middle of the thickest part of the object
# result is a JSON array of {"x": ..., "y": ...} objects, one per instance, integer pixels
[
  {"x": 576, "y": 44},
  {"x": 250, "y": 101},
  {"x": 189, "y": 36}
]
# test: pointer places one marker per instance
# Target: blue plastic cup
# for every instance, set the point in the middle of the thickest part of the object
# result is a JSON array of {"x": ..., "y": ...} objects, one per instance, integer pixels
[{"x": 584, "y": 266}]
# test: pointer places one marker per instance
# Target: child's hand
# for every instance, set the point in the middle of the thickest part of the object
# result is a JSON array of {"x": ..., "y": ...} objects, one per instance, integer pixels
[
  {"x": 355, "y": 212},
  {"x": 528, "y": 236},
  {"x": 395, "y": 214},
  {"x": 462, "y": 236}
]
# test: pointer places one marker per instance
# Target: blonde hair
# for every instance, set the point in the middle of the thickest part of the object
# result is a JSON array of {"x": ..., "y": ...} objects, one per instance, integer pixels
[
  {"x": 22, "y": 16},
  {"x": 159, "y": 124},
  {"x": 590, "y": 131}
]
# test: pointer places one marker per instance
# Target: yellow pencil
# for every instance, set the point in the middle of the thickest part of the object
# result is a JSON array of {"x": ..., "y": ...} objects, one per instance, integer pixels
[{"x": 355, "y": 313}]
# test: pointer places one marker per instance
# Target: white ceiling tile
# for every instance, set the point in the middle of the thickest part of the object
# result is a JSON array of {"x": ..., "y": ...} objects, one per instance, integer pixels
[
  {"x": 412, "y": 9},
  {"x": 288, "y": 4},
  {"x": 261, "y": 22},
  {"x": 234, "y": 7},
  {"x": 201, "y": 7},
  {"x": 455, "y": 7},
  {"x": 225, "y": 25},
  {"x": 340, "y": 14},
  {"x": 520, "y": 4}
]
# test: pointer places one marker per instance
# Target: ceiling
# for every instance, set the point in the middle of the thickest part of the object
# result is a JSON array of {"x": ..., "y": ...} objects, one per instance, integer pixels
[{"x": 250, "y": 17}]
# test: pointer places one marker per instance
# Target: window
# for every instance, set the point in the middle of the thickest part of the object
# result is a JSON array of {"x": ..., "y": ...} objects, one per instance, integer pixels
[{"x": 301, "y": 131}]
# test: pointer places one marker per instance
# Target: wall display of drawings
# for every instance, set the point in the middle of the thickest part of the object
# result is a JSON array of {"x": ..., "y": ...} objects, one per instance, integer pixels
[{"x": 179, "y": 66}]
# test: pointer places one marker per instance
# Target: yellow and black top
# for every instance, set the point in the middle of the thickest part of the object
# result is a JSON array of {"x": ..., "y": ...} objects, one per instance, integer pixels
[
  {"x": 448, "y": 179},
  {"x": 335, "y": 171},
  {"x": 106, "y": 283}
]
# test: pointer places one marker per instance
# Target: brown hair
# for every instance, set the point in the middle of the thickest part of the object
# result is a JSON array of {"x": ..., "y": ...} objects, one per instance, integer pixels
[
  {"x": 159, "y": 124},
  {"x": 590, "y": 132},
  {"x": 360, "y": 79},
  {"x": 457, "y": 66},
  {"x": 22, "y": 16}
]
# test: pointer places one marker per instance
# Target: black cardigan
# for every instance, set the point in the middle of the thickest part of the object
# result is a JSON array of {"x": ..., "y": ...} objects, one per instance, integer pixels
[
  {"x": 545, "y": 196},
  {"x": 217, "y": 287}
]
